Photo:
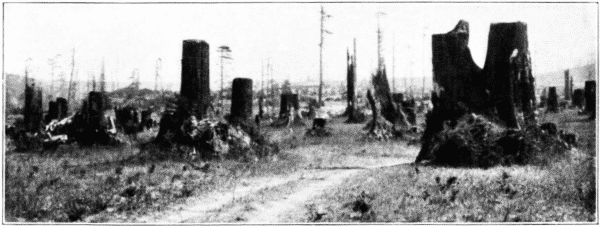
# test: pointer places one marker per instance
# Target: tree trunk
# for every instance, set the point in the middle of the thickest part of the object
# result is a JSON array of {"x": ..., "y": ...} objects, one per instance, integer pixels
[
  {"x": 578, "y": 98},
  {"x": 567, "y": 90},
  {"x": 32, "y": 110},
  {"x": 389, "y": 110},
  {"x": 552, "y": 104},
  {"x": 504, "y": 39},
  {"x": 241, "y": 100},
  {"x": 63, "y": 107},
  {"x": 195, "y": 78},
  {"x": 590, "y": 98},
  {"x": 374, "y": 110}
]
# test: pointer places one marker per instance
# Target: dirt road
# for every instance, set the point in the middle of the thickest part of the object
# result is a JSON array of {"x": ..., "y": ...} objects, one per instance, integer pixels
[{"x": 264, "y": 200}]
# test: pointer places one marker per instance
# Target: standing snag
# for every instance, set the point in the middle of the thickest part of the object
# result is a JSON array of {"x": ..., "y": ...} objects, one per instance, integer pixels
[
  {"x": 590, "y": 98},
  {"x": 552, "y": 104},
  {"x": 195, "y": 78}
]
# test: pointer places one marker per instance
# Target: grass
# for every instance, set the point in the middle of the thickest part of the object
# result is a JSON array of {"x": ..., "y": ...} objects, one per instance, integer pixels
[{"x": 563, "y": 191}]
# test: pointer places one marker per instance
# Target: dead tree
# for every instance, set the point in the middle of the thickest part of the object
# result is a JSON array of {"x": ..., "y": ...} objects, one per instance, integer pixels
[
  {"x": 590, "y": 98},
  {"x": 195, "y": 86},
  {"x": 354, "y": 116},
  {"x": 568, "y": 89},
  {"x": 552, "y": 104},
  {"x": 389, "y": 111},
  {"x": 374, "y": 110},
  {"x": 578, "y": 98},
  {"x": 241, "y": 100}
]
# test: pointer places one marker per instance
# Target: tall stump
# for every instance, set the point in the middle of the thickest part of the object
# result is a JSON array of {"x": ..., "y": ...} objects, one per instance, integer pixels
[
  {"x": 552, "y": 104},
  {"x": 568, "y": 89},
  {"x": 195, "y": 78},
  {"x": 32, "y": 111},
  {"x": 63, "y": 107},
  {"x": 241, "y": 99},
  {"x": 590, "y": 97},
  {"x": 504, "y": 39}
]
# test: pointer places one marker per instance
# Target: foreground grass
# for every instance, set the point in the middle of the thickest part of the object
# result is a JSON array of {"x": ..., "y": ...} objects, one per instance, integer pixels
[
  {"x": 399, "y": 194},
  {"x": 562, "y": 191},
  {"x": 117, "y": 183}
]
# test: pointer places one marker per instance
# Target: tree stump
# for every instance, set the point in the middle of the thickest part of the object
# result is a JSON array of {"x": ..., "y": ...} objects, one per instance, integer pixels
[
  {"x": 389, "y": 110},
  {"x": 63, "y": 107},
  {"x": 504, "y": 40},
  {"x": 578, "y": 98},
  {"x": 552, "y": 104},
  {"x": 195, "y": 78},
  {"x": 241, "y": 100},
  {"x": 568, "y": 89},
  {"x": 590, "y": 98},
  {"x": 52, "y": 112},
  {"x": 32, "y": 110},
  {"x": 354, "y": 116}
]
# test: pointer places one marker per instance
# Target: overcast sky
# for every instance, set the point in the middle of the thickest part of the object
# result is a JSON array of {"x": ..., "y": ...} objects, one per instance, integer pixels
[{"x": 134, "y": 36}]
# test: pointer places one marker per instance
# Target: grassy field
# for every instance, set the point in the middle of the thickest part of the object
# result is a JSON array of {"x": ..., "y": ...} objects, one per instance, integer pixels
[
  {"x": 115, "y": 184},
  {"x": 563, "y": 191}
]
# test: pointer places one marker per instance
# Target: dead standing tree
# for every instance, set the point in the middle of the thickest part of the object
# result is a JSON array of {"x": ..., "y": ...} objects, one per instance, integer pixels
[
  {"x": 353, "y": 113},
  {"x": 389, "y": 111},
  {"x": 461, "y": 87}
]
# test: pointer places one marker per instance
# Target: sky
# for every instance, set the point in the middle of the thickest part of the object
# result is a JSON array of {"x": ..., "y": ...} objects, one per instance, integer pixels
[{"x": 133, "y": 36}]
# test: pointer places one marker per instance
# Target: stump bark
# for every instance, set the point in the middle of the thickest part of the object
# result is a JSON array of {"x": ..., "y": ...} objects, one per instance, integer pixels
[
  {"x": 195, "y": 78},
  {"x": 504, "y": 41},
  {"x": 389, "y": 109},
  {"x": 590, "y": 98},
  {"x": 241, "y": 99}
]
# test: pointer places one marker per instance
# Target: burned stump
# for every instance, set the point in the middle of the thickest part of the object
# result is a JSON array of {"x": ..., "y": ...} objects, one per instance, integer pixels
[
  {"x": 465, "y": 95},
  {"x": 195, "y": 78},
  {"x": 241, "y": 100},
  {"x": 289, "y": 109},
  {"x": 590, "y": 98},
  {"x": 552, "y": 103},
  {"x": 578, "y": 98}
]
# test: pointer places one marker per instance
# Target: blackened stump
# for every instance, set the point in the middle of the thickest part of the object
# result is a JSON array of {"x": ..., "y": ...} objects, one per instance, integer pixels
[
  {"x": 241, "y": 99},
  {"x": 552, "y": 104},
  {"x": 195, "y": 78},
  {"x": 578, "y": 98},
  {"x": 590, "y": 98}
]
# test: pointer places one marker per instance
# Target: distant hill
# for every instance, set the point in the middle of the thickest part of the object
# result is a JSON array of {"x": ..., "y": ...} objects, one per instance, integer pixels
[{"x": 557, "y": 78}]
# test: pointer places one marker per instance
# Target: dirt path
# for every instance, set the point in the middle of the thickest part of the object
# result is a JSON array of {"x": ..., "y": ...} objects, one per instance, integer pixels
[{"x": 262, "y": 200}]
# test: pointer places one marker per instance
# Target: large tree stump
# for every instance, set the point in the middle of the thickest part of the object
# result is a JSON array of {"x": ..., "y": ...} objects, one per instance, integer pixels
[
  {"x": 504, "y": 40},
  {"x": 590, "y": 98},
  {"x": 195, "y": 78},
  {"x": 32, "y": 110},
  {"x": 241, "y": 100},
  {"x": 552, "y": 104},
  {"x": 287, "y": 102},
  {"x": 504, "y": 86},
  {"x": 578, "y": 98}
]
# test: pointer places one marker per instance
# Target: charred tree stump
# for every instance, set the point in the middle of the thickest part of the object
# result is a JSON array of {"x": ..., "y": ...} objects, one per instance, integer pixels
[
  {"x": 458, "y": 82},
  {"x": 63, "y": 107},
  {"x": 52, "y": 112},
  {"x": 241, "y": 100},
  {"x": 590, "y": 98},
  {"x": 288, "y": 117},
  {"x": 525, "y": 92},
  {"x": 32, "y": 111},
  {"x": 195, "y": 78},
  {"x": 389, "y": 110},
  {"x": 578, "y": 98},
  {"x": 552, "y": 104},
  {"x": 261, "y": 100},
  {"x": 505, "y": 40}
]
